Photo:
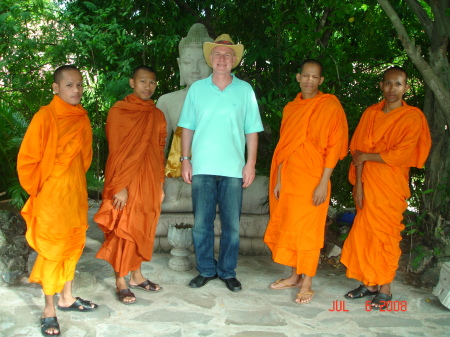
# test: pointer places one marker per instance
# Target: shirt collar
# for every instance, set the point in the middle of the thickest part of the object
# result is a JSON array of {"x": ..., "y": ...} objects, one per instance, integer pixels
[{"x": 229, "y": 85}]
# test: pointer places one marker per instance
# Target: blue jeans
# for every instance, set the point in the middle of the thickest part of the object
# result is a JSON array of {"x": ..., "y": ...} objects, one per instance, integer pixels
[{"x": 207, "y": 192}]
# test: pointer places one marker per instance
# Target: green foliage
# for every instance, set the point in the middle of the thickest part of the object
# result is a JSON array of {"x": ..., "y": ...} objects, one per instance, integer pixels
[{"x": 107, "y": 39}]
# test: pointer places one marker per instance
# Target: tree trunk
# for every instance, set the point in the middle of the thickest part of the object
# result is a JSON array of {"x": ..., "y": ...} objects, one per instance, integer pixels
[{"x": 436, "y": 74}]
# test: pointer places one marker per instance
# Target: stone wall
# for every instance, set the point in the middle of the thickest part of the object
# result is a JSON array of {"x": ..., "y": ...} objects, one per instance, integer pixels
[{"x": 14, "y": 250}]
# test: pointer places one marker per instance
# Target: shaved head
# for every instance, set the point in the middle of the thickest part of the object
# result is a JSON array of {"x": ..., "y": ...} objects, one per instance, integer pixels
[
  {"x": 311, "y": 61},
  {"x": 58, "y": 74},
  {"x": 395, "y": 68},
  {"x": 145, "y": 68}
]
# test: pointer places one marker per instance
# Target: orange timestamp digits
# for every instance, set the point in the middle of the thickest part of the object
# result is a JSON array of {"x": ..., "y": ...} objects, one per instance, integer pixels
[{"x": 389, "y": 306}]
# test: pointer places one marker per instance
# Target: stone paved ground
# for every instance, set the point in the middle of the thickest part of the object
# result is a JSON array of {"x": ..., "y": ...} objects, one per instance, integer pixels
[{"x": 256, "y": 311}]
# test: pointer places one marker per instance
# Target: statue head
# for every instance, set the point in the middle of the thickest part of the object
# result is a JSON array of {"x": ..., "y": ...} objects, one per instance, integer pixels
[{"x": 191, "y": 62}]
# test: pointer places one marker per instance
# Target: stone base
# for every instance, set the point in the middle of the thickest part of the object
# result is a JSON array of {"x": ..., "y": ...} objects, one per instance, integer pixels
[
  {"x": 252, "y": 229},
  {"x": 442, "y": 289}
]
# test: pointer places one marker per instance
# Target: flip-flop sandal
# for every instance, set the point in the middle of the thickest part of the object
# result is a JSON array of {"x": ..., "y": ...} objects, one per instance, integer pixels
[
  {"x": 49, "y": 323},
  {"x": 85, "y": 306},
  {"x": 299, "y": 295},
  {"x": 360, "y": 292},
  {"x": 284, "y": 285},
  {"x": 385, "y": 298},
  {"x": 152, "y": 287},
  {"x": 121, "y": 294}
]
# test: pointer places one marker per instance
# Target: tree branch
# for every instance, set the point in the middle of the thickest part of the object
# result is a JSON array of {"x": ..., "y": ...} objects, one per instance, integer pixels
[
  {"x": 439, "y": 9},
  {"x": 441, "y": 95},
  {"x": 422, "y": 16}
]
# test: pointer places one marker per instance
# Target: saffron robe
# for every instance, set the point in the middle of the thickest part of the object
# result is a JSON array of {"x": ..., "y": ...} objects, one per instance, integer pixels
[
  {"x": 52, "y": 162},
  {"x": 313, "y": 135},
  {"x": 136, "y": 133},
  {"x": 402, "y": 138}
]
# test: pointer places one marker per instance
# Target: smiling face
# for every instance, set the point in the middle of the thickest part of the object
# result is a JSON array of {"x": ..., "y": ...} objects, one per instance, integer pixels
[
  {"x": 310, "y": 79},
  {"x": 69, "y": 87},
  {"x": 222, "y": 59},
  {"x": 192, "y": 65},
  {"x": 143, "y": 84},
  {"x": 394, "y": 87}
]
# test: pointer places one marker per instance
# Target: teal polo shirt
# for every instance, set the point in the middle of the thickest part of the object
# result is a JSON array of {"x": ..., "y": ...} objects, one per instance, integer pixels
[{"x": 220, "y": 120}]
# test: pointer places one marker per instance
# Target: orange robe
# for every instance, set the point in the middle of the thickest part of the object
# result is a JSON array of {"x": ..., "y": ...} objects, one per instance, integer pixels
[
  {"x": 53, "y": 159},
  {"x": 402, "y": 138},
  {"x": 313, "y": 136},
  {"x": 136, "y": 133}
]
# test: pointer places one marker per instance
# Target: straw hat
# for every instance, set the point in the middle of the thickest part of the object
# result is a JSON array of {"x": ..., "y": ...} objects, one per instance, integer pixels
[{"x": 223, "y": 40}]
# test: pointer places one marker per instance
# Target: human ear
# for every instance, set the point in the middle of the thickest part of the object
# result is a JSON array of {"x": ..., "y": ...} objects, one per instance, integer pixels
[
  {"x": 298, "y": 77},
  {"x": 321, "y": 80},
  {"x": 132, "y": 82},
  {"x": 55, "y": 87}
]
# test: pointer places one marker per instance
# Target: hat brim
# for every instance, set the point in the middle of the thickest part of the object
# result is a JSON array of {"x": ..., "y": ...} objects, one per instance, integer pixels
[{"x": 209, "y": 46}]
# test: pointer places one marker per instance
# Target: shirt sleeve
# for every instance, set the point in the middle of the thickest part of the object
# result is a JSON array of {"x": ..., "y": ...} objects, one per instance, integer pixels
[
  {"x": 188, "y": 113},
  {"x": 252, "y": 121}
]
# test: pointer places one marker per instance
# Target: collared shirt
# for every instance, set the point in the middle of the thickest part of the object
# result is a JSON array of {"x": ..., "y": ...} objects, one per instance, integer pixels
[{"x": 220, "y": 119}]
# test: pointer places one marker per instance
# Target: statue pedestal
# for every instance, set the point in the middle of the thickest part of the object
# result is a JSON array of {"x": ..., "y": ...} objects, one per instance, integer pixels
[
  {"x": 180, "y": 237},
  {"x": 442, "y": 289}
]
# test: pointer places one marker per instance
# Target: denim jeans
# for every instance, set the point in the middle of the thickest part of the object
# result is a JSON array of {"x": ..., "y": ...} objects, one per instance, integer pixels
[{"x": 207, "y": 192}]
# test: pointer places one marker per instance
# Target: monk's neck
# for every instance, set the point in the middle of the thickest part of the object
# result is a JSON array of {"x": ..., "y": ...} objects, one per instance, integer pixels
[
  {"x": 309, "y": 95},
  {"x": 388, "y": 107},
  {"x": 222, "y": 80}
]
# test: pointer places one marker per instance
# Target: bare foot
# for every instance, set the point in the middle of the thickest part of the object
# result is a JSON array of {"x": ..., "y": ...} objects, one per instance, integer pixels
[
  {"x": 137, "y": 278},
  {"x": 123, "y": 293},
  {"x": 52, "y": 326},
  {"x": 290, "y": 282},
  {"x": 304, "y": 297},
  {"x": 384, "y": 295}
]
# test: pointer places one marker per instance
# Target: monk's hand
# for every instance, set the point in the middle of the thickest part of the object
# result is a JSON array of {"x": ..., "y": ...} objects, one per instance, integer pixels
[
  {"x": 186, "y": 171},
  {"x": 119, "y": 200},
  {"x": 276, "y": 190},
  {"x": 320, "y": 194},
  {"x": 358, "y": 158},
  {"x": 248, "y": 175},
  {"x": 358, "y": 194}
]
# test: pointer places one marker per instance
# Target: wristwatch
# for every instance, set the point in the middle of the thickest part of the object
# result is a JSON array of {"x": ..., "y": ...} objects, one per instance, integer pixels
[{"x": 185, "y": 158}]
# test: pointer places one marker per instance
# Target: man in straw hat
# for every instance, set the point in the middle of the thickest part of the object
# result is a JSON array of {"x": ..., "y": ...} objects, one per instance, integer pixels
[
  {"x": 219, "y": 117},
  {"x": 192, "y": 68}
]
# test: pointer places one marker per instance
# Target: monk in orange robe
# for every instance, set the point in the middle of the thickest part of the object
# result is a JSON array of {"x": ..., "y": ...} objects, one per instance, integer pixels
[
  {"x": 390, "y": 138},
  {"x": 53, "y": 159},
  {"x": 134, "y": 178},
  {"x": 313, "y": 137}
]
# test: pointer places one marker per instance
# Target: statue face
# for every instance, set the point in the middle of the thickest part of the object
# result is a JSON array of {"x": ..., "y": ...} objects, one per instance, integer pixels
[{"x": 192, "y": 66}]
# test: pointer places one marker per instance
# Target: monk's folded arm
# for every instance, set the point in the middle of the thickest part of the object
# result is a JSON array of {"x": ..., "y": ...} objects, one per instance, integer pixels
[{"x": 376, "y": 157}]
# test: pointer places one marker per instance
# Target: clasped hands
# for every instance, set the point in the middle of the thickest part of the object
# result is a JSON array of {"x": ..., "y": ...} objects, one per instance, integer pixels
[{"x": 358, "y": 158}]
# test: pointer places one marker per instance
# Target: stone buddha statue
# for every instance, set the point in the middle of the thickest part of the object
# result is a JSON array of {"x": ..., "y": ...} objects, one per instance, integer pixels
[{"x": 192, "y": 68}]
